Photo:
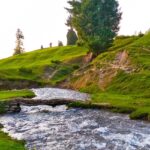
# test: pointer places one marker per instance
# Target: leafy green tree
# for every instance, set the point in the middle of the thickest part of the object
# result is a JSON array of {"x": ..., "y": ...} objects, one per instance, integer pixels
[
  {"x": 71, "y": 37},
  {"x": 96, "y": 22},
  {"x": 19, "y": 43}
]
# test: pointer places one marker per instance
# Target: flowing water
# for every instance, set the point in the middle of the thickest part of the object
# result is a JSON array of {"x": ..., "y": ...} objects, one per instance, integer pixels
[
  {"x": 48, "y": 128},
  {"x": 56, "y": 93}
]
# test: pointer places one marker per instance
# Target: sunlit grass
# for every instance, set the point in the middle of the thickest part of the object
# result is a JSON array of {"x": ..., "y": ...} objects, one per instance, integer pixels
[
  {"x": 6, "y": 143},
  {"x": 5, "y": 95}
]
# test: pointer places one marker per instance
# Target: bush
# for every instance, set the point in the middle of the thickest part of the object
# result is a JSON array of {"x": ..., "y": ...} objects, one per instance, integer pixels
[
  {"x": 56, "y": 62},
  {"x": 140, "y": 115},
  {"x": 75, "y": 67},
  {"x": 80, "y": 43},
  {"x": 25, "y": 70}
]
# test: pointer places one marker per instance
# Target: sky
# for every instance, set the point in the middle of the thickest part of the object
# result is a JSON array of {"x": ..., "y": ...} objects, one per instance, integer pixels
[{"x": 43, "y": 21}]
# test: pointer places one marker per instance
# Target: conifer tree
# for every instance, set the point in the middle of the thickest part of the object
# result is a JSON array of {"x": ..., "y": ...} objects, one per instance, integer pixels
[
  {"x": 96, "y": 22},
  {"x": 71, "y": 37},
  {"x": 19, "y": 43}
]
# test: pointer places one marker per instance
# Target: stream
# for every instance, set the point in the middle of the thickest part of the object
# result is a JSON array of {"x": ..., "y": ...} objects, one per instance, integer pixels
[{"x": 58, "y": 128}]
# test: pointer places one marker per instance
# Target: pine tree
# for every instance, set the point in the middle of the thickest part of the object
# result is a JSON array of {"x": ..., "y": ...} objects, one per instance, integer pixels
[
  {"x": 96, "y": 22},
  {"x": 71, "y": 37},
  {"x": 19, "y": 43}
]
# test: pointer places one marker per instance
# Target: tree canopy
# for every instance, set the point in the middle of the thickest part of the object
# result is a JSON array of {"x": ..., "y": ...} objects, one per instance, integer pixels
[{"x": 96, "y": 22}]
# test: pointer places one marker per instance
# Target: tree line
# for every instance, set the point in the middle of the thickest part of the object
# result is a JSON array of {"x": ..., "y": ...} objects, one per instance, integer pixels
[{"x": 92, "y": 23}]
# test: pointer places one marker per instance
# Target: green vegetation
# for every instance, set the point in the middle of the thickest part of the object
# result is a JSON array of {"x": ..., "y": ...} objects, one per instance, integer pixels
[
  {"x": 125, "y": 91},
  {"x": 71, "y": 37},
  {"x": 34, "y": 66},
  {"x": 6, "y": 143},
  {"x": 5, "y": 95},
  {"x": 96, "y": 22}
]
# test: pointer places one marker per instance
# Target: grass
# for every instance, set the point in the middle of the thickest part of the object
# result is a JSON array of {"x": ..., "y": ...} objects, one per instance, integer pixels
[
  {"x": 32, "y": 65},
  {"x": 7, "y": 95},
  {"x": 6, "y": 143},
  {"x": 137, "y": 107},
  {"x": 125, "y": 103},
  {"x": 127, "y": 92}
]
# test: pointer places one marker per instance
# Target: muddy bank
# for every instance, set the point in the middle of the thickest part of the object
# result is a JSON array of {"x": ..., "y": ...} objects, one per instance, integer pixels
[{"x": 18, "y": 84}]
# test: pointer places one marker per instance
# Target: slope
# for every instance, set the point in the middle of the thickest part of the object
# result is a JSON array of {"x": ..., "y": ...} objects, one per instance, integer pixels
[
  {"x": 48, "y": 65},
  {"x": 120, "y": 77}
]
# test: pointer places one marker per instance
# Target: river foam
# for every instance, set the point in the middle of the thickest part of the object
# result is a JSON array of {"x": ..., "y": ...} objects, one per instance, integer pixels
[{"x": 56, "y": 93}]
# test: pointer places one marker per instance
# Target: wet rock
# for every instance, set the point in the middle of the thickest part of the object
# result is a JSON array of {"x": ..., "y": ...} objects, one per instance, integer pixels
[
  {"x": 14, "y": 108},
  {"x": 1, "y": 126},
  {"x": 9, "y": 107}
]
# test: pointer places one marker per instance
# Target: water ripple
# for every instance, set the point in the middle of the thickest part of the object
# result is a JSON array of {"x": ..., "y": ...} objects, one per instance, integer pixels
[{"x": 47, "y": 128}]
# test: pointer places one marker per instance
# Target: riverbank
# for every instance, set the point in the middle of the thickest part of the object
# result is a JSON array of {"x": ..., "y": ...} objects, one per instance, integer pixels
[
  {"x": 99, "y": 102},
  {"x": 137, "y": 107},
  {"x": 133, "y": 112},
  {"x": 6, "y": 142},
  {"x": 10, "y": 101},
  {"x": 6, "y": 98}
]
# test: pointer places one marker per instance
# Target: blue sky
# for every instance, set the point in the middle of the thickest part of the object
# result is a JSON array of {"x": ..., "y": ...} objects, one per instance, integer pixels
[{"x": 43, "y": 21}]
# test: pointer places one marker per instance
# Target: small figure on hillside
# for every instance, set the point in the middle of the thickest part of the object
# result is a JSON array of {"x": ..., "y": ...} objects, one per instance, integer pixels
[
  {"x": 50, "y": 44},
  {"x": 41, "y": 46}
]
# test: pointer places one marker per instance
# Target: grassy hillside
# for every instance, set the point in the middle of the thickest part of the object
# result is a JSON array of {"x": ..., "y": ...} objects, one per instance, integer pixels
[
  {"x": 119, "y": 77},
  {"x": 37, "y": 65}
]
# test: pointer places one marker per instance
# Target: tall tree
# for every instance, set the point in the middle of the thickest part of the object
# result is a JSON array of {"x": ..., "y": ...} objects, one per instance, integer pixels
[
  {"x": 96, "y": 22},
  {"x": 19, "y": 43},
  {"x": 71, "y": 37}
]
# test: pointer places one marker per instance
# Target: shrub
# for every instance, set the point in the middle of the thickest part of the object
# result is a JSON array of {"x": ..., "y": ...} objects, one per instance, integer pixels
[
  {"x": 25, "y": 70},
  {"x": 56, "y": 62},
  {"x": 75, "y": 67}
]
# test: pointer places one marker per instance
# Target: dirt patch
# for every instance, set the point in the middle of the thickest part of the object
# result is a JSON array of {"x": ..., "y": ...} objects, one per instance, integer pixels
[
  {"x": 17, "y": 84},
  {"x": 102, "y": 77},
  {"x": 121, "y": 62}
]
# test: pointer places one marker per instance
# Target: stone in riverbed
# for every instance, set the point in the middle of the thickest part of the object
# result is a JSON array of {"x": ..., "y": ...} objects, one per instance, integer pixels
[{"x": 1, "y": 126}]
